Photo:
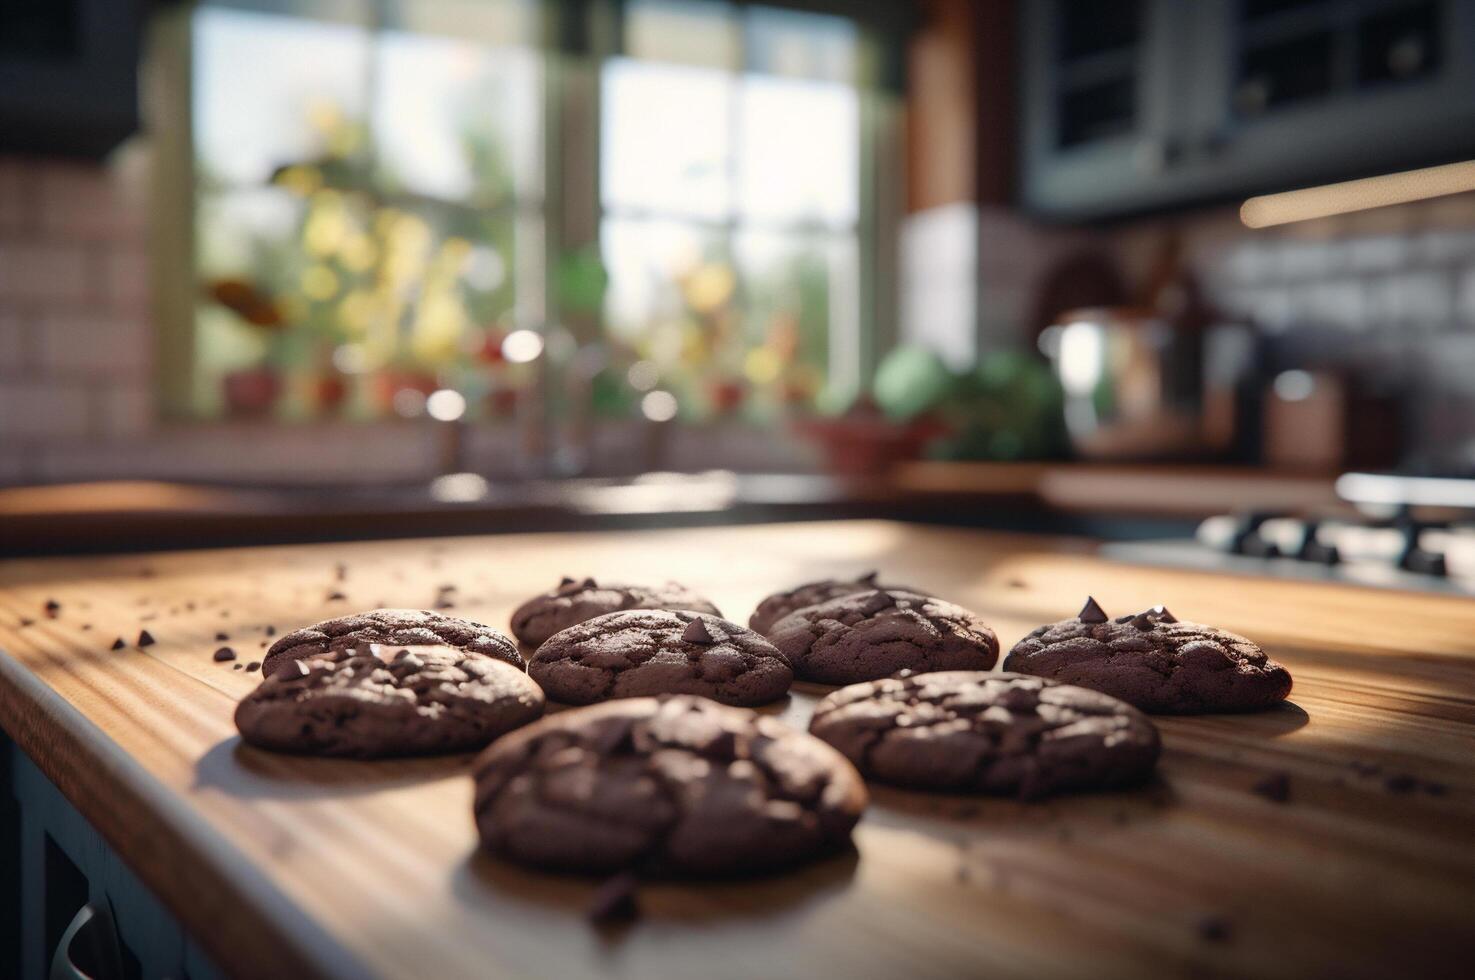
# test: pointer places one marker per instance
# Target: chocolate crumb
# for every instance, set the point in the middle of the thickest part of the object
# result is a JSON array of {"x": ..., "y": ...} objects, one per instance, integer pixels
[
  {"x": 443, "y": 603},
  {"x": 1017, "y": 583},
  {"x": 1091, "y": 612},
  {"x": 26, "y": 622},
  {"x": 1275, "y": 787},
  {"x": 86, "y": 627},
  {"x": 253, "y": 666},
  {"x": 118, "y": 644},
  {"x": 235, "y": 667},
  {"x": 340, "y": 572},
  {"x": 145, "y": 639},
  {"x": 1215, "y": 929},
  {"x": 221, "y": 637},
  {"x": 52, "y": 607},
  {"x": 614, "y": 901},
  {"x": 224, "y": 654},
  {"x": 336, "y": 597},
  {"x": 269, "y": 630},
  {"x": 1401, "y": 782}
]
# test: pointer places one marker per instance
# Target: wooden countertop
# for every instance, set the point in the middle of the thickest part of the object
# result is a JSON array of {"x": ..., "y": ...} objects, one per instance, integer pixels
[{"x": 286, "y": 866}]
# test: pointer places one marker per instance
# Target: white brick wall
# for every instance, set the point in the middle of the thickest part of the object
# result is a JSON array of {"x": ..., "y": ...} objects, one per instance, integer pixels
[{"x": 76, "y": 337}]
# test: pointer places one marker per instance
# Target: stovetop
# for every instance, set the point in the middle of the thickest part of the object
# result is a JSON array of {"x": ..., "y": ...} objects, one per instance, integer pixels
[{"x": 1396, "y": 552}]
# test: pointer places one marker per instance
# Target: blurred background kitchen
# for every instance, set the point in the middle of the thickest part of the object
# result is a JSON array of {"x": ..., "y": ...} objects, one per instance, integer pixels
[{"x": 291, "y": 269}]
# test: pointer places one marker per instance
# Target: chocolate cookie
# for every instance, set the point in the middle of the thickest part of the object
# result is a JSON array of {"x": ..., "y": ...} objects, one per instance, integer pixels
[
  {"x": 1153, "y": 661},
  {"x": 405, "y": 627},
  {"x": 870, "y": 635},
  {"x": 978, "y": 732},
  {"x": 671, "y": 785},
  {"x": 780, "y": 604},
  {"x": 390, "y": 700},
  {"x": 573, "y": 602},
  {"x": 656, "y": 651}
]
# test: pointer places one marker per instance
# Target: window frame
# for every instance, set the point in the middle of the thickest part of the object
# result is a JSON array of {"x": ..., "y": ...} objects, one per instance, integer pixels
[{"x": 573, "y": 41}]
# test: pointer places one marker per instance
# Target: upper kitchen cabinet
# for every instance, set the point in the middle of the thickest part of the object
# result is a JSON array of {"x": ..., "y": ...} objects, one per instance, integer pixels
[
  {"x": 1131, "y": 105},
  {"x": 68, "y": 75}
]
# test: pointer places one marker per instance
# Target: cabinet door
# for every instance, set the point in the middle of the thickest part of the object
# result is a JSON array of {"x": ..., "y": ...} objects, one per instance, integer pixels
[
  {"x": 1100, "y": 112},
  {"x": 1296, "y": 92}
]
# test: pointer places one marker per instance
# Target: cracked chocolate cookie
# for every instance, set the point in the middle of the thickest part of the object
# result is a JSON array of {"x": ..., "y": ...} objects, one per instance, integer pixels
[
  {"x": 780, "y": 604},
  {"x": 674, "y": 785},
  {"x": 869, "y": 635},
  {"x": 575, "y": 601},
  {"x": 376, "y": 701},
  {"x": 645, "y": 652},
  {"x": 977, "y": 732},
  {"x": 405, "y": 627},
  {"x": 1153, "y": 661}
]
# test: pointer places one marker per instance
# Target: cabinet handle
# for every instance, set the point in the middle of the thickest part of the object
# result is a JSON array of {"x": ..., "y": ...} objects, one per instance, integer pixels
[{"x": 91, "y": 929}]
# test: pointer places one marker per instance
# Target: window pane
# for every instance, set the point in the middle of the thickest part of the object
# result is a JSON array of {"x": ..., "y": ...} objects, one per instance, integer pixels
[
  {"x": 802, "y": 312},
  {"x": 666, "y": 140},
  {"x": 801, "y": 45},
  {"x": 755, "y": 328},
  {"x": 457, "y": 120},
  {"x": 271, "y": 90},
  {"x": 799, "y": 158}
]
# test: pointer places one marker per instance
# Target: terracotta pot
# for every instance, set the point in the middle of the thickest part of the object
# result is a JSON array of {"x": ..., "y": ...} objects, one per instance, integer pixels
[
  {"x": 866, "y": 445},
  {"x": 252, "y": 392}
]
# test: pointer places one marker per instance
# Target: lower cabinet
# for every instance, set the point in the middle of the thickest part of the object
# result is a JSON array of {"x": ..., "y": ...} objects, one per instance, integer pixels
[{"x": 69, "y": 907}]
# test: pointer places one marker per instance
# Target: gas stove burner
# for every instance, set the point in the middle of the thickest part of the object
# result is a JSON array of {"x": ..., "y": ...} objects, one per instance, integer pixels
[{"x": 1401, "y": 544}]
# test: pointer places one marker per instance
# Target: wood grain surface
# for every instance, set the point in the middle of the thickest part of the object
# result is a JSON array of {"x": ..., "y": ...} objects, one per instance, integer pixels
[{"x": 289, "y": 866}]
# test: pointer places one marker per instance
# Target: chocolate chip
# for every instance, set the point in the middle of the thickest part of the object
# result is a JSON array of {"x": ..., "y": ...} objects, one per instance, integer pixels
[
  {"x": 615, "y": 901},
  {"x": 696, "y": 632},
  {"x": 253, "y": 666},
  {"x": 568, "y": 586},
  {"x": 1161, "y": 614},
  {"x": 336, "y": 597},
  {"x": 1275, "y": 787},
  {"x": 224, "y": 654},
  {"x": 589, "y": 583},
  {"x": 221, "y": 637},
  {"x": 270, "y": 630},
  {"x": 145, "y": 639},
  {"x": 52, "y": 607},
  {"x": 869, "y": 577},
  {"x": 878, "y": 601},
  {"x": 1215, "y": 929},
  {"x": 235, "y": 667},
  {"x": 565, "y": 581},
  {"x": 1142, "y": 621},
  {"x": 118, "y": 644},
  {"x": 1092, "y": 613}
]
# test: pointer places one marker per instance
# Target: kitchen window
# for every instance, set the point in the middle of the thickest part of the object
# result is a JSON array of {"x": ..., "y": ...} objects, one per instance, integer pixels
[{"x": 386, "y": 206}]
